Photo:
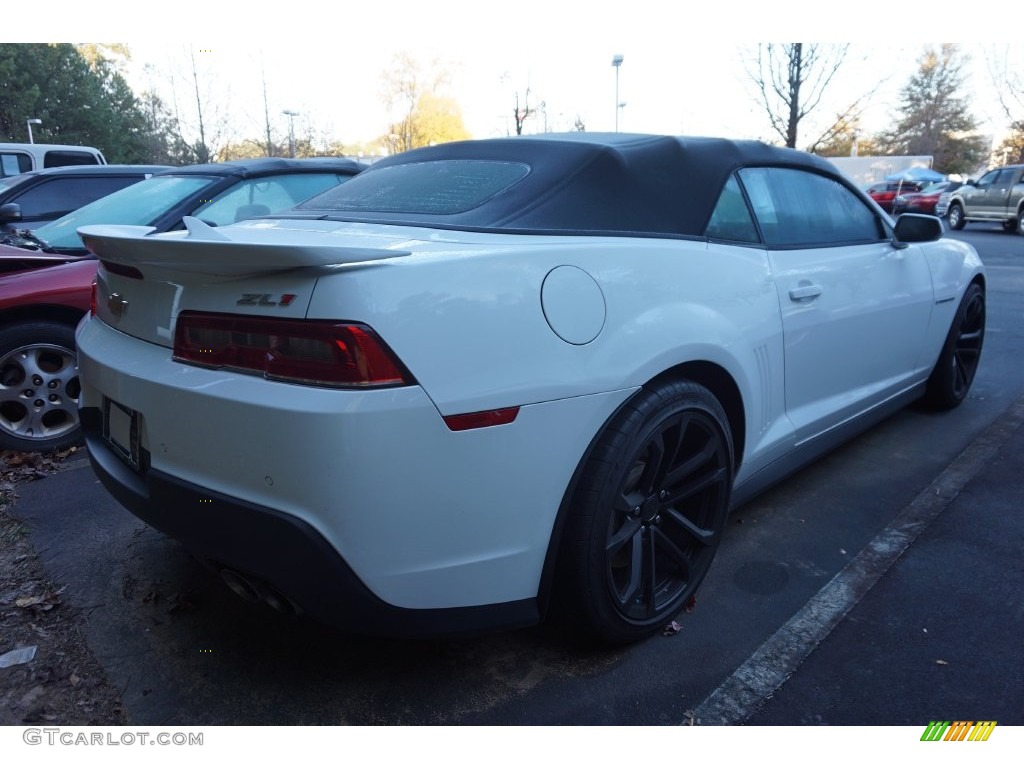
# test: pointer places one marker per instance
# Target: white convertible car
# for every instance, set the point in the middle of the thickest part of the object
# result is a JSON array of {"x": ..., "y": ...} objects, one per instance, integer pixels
[{"x": 490, "y": 378}]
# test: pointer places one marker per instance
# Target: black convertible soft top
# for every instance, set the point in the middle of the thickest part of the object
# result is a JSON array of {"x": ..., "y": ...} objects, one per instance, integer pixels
[{"x": 600, "y": 183}]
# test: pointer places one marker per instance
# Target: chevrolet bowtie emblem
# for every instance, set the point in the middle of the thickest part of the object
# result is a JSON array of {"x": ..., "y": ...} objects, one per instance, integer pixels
[{"x": 117, "y": 305}]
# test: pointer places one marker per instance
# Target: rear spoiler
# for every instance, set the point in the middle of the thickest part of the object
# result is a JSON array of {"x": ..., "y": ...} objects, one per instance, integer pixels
[{"x": 208, "y": 251}]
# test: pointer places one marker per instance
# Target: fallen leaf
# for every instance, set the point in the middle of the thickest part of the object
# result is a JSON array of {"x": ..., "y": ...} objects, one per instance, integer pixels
[{"x": 671, "y": 629}]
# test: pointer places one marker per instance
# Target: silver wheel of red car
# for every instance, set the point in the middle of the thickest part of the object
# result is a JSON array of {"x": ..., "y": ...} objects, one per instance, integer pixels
[{"x": 39, "y": 387}]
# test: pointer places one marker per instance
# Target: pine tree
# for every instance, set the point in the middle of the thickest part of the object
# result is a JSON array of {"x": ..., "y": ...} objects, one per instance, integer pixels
[{"x": 934, "y": 119}]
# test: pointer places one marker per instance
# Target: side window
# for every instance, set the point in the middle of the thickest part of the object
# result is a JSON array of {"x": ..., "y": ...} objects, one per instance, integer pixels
[
  {"x": 987, "y": 179},
  {"x": 56, "y": 197},
  {"x": 258, "y": 197},
  {"x": 800, "y": 208},
  {"x": 1005, "y": 176},
  {"x": 731, "y": 219},
  {"x": 13, "y": 163}
]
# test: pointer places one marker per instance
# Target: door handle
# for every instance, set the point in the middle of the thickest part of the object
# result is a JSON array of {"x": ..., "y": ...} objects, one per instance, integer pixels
[{"x": 804, "y": 291}]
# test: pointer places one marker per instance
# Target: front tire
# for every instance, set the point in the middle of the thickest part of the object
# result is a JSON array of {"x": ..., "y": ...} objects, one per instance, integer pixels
[
  {"x": 39, "y": 388},
  {"x": 957, "y": 365},
  {"x": 956, "y": 217},
  {"x": 647, "y": 515}
]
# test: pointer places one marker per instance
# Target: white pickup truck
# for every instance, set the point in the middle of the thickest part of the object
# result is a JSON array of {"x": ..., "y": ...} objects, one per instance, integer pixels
[
  {"x": 19, "y": 158},
  {"x": 998, "y": 196}
]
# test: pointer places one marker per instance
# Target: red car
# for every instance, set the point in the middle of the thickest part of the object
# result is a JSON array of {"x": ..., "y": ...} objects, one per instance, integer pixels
[
  {"x": 885, "y": 192},
  {"x": 39, "y": 389},
  {"x": 923, "y": 201}
]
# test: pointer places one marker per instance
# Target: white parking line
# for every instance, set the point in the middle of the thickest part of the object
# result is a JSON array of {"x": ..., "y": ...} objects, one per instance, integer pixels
[{"x": 761, "y": 675}]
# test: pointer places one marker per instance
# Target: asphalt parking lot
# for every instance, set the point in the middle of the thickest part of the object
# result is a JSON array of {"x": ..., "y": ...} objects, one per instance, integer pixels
[{"x": 878, "y": 587}]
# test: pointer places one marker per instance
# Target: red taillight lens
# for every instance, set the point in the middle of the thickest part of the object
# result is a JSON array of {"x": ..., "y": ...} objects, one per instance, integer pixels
[
  {"x": 322, "y": 353},
  {"x": 479, "y": 419}
]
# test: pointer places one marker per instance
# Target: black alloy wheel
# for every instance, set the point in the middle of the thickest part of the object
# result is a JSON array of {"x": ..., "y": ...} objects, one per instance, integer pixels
[
  {"x": 648, "y": 514},
  {"x": 957, "y": 365}
]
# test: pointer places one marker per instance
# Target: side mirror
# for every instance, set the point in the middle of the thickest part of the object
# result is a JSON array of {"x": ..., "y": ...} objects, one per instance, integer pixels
[
  {"x": 10, "y": 212},
  {"x": 917, "y": 228}
]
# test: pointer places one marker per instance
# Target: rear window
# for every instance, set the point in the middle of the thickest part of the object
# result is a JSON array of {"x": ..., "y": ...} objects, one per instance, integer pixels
[
  {"x": 435, "y": 187},
  {"x": 61, "y": 158}
]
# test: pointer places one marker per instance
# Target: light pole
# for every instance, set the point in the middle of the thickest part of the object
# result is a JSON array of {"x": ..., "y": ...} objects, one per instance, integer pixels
[
  {"x": 292, "y": 114},
  {"x": 30, "y": 122},
  {"x": 617, "y": 62}
]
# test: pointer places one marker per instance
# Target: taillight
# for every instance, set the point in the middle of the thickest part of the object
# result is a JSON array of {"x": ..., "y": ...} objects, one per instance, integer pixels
[
  {"x": 479, "y": 419},
  {"x": 318, "y": 352}
]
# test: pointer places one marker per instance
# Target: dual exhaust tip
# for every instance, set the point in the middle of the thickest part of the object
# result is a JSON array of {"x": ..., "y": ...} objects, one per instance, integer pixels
[{"x": 254, "y": 590}]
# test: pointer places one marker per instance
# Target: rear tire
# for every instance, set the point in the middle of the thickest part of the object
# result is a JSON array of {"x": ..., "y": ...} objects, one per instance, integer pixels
[
  {"x": 647, "y": 515},
  {"x": 954, "y": 371},
  {"x": 956, "y": 216}
]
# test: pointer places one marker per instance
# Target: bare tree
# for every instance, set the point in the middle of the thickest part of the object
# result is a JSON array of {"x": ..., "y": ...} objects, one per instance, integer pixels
[
  {"x": 522, "y": 113},
  {"x": 791, "y": 80},
  {"x": 203, "y": 129},
  {"x": 1006, "y": 76}
]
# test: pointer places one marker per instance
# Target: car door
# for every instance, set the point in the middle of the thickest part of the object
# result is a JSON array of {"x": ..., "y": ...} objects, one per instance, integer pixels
[
  {"x": 855, "y": 309},
  {"x": 976, "y": 196},
  {"x": 996, "y": 195}
]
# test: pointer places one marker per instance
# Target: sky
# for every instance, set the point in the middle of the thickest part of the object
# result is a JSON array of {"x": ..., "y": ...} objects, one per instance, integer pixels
[{"x": 683, "y": 69}]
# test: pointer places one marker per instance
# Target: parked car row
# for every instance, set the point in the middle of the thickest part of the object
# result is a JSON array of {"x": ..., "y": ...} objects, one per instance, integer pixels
[
  {"x": 42, "y": 301},
  {"x": 885, "y": 192},
  {"x": 923, "y": 201}
]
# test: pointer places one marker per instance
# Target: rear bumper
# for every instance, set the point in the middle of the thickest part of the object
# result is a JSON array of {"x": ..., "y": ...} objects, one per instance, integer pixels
[
  {"x": 278, "y": 554},
  {"x": 367, "y": 493}
]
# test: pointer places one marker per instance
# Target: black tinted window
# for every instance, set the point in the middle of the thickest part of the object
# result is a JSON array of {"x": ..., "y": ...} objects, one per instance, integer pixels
[
  {"x": 60, "y": 158},
  {"x": 796, "y": 208},
  {"x": 56, "y": 197},
  {"x": 443, "y": 187}
]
